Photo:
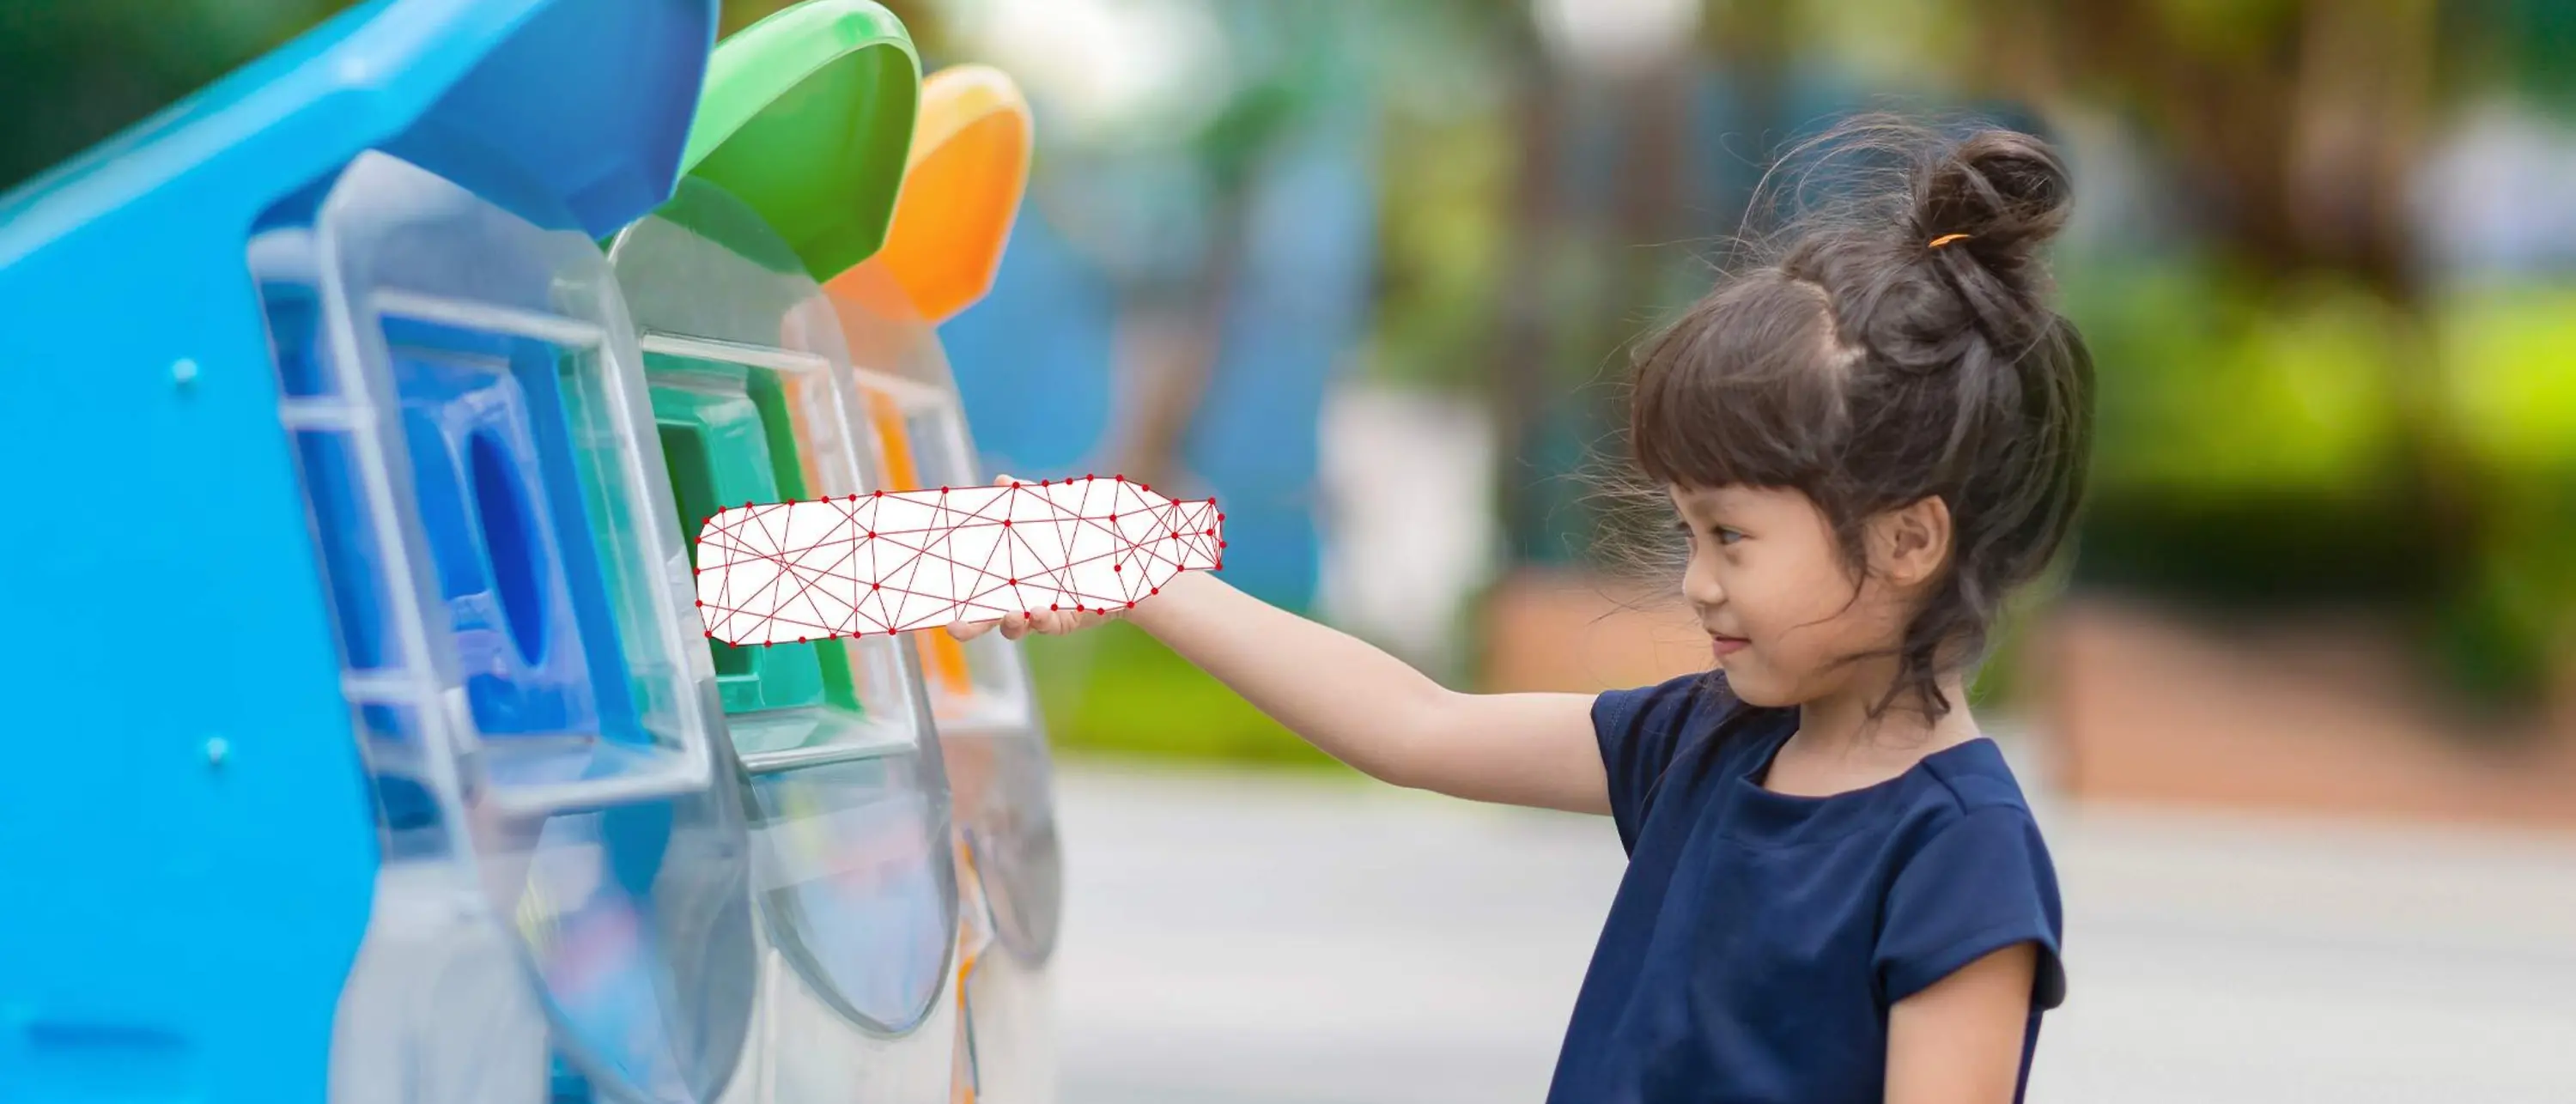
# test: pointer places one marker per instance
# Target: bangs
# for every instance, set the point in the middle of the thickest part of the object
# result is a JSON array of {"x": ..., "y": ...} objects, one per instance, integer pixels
[{"x": 1744, "y": 390}]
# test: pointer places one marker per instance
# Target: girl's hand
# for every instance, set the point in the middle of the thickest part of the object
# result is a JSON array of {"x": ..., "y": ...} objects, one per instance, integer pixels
[
  {"x": 1048, "y": 623},
  {"x": 1017, "y": 625}
]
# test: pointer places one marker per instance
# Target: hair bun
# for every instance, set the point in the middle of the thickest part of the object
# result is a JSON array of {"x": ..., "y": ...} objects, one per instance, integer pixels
[{"x": 2006, "y": 191}]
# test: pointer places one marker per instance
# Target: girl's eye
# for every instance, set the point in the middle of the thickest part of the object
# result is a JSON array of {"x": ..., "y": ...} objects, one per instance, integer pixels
[{"x": 1690, "y": 533}]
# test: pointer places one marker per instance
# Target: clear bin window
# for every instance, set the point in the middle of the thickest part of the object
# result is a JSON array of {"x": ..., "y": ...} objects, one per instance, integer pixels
[
  {"x": 753, "y": 401},
  {"x": 853, "y": 869},
  {"x": 921, "y": 431},
  {"x": 470, "y": 425}
]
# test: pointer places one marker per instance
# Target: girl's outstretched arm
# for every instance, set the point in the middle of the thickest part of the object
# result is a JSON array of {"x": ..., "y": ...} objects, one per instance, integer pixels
[{"x": 1365, "y": 707}]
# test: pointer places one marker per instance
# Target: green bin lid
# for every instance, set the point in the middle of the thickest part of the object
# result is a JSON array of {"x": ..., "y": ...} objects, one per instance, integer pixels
[{"x": 807, "y": 117}]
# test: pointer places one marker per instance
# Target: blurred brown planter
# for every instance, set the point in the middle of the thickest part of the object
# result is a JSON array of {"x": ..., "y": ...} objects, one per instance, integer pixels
[
  {"x": 2137, "y": 704},
  {"x": 1579, "y": 633}
]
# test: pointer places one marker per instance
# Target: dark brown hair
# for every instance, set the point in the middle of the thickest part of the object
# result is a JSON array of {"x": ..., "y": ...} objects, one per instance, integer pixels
[{"x": 1854, "y": 360}]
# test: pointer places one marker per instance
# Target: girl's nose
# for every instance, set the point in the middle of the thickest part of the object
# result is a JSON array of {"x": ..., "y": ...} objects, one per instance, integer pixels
[{"x": 1701, "y": 587}]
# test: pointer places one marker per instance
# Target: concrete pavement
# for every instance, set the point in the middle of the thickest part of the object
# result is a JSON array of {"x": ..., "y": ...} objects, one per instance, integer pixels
[{"x": 1264, "y": 939}]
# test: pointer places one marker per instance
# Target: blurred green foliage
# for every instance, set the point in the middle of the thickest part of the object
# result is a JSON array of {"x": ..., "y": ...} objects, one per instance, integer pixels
[
  {"x": 73, "y": 72},
  {"x": 2511, "y": 351},
  {"x": 2512, "y": 627},
  {"x": 2207, "y": 384},
  {"x": 2251, "y": 459},
  {"x": 1116, "y": 690},
  {"x": 1441, "y": 260}
]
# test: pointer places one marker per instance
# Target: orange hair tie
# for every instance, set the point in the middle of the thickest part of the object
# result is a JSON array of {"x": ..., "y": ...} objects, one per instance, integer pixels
[{"x": 1945, "y": 239}]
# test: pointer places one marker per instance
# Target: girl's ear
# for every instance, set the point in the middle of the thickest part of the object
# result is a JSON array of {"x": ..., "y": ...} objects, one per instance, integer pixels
[{"x": 1912, "y": 542}]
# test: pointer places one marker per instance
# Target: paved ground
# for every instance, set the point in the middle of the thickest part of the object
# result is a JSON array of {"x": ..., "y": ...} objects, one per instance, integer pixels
[{"x": 1239, "y": 939}]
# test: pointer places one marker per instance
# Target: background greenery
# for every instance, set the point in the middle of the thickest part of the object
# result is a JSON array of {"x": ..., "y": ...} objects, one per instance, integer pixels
[{"x": 2306, "y": 403}]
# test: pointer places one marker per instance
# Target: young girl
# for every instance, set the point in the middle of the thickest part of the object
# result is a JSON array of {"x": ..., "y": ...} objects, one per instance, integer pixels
[{"x": 1835, "y": 891}]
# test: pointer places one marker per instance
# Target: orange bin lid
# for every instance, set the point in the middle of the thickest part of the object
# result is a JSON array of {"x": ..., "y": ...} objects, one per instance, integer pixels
[{"x": 963, "y": 179}]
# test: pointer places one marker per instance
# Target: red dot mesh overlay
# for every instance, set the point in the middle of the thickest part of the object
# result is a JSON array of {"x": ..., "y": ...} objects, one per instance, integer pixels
[{"x": 889, "y": 562}]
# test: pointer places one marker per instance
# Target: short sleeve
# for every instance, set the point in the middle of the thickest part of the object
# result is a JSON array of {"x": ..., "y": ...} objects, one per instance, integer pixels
[
  {"x": 1639, "y": 730},
  {"x": 1981, "y": 884}
]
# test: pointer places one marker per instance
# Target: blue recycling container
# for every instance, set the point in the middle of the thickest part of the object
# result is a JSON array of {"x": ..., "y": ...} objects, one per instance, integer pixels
[{"x": 364, "y": 744}]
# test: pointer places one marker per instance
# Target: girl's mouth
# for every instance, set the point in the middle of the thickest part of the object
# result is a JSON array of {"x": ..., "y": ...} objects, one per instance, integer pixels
[{"x": 1724, "y": 646}]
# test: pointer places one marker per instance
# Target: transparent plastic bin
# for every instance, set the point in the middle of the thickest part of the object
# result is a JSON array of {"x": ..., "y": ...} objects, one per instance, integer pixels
[
  {"x": 755, "y": 401},
  {"x": 1000, "y": 776},
  {"x": 511, "y": 601}
]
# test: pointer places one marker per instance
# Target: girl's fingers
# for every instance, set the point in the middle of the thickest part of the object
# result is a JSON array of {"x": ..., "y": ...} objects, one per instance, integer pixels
[
  {"x": 1061, "y": 622},
  {"x": 1056, "y": 622},
  {"x": 1017, "y": 625}
]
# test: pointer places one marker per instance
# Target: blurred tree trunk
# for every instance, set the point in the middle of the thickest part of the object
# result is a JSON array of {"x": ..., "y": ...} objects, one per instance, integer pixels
[
  {"x": 1525, "y": 333},
  {"x": 1171, "y": 346},
  {"x": 2295, "y": 124},
  {"x": 1645, "y": 221},
  {"x": 1752, "y": 44},
  {"x": 1647, "y": 238},
  {"x": 1181, "y": 329}
]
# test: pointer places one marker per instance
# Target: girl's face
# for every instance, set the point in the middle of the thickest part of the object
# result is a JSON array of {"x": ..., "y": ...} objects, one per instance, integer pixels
[{"x": 1771, "y": 589}]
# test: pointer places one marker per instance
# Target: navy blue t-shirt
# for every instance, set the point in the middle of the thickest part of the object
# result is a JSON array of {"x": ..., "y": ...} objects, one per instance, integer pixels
[{"x": 1758, "y": 939}]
